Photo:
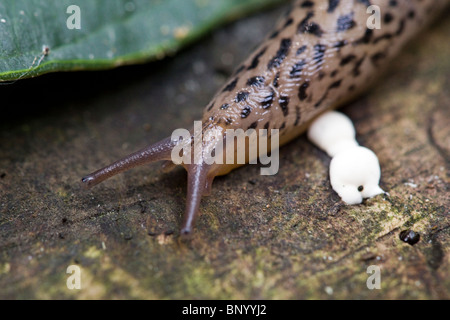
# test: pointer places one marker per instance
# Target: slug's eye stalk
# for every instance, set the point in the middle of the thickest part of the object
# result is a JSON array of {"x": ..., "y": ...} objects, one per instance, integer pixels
[{"x": 155, "y": 152}]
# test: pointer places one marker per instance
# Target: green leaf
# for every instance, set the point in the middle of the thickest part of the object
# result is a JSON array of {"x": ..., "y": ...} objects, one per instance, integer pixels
[{"x": 35, "y": 37}]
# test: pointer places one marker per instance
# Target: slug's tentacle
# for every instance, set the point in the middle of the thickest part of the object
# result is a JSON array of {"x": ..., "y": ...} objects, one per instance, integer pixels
[
  {"x": 199, "y": 184},
  {"x": 155, "y": 152}
]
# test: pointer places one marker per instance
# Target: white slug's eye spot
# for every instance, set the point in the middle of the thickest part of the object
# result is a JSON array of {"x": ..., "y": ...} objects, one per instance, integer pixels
[{"x": 355, "y": 174}]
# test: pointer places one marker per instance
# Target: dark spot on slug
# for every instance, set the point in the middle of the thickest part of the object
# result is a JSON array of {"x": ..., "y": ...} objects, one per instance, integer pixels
[
  {"x": 274, "y": 34},
  {"x": 318, "y": 103},
  {"x": 257, "y": 81},
  {"x": 288, "y": 23},
  {"x": 224, "y": 106},
  {"x": 399, "y": 30},
  {"x": 382, "y": 37},
  {"x": 267, "y": 101},
  {"x": 231, "y": 85},
  {"x": 301, "y": 26},
  {"x": 388, "y": 17},
  {"x": 332, "y": 4},
  {"x": 401, "y": 27},
  {"x": 297, "y": 115},
  {"x": 351, "y": 88},
  {"x": 253, "y": 125},
  {"x": 335, "y": 84},
  {"x": 281, "y": 54},
  {"x": 210, "y": 106},
  {"x": 360, "y": 188},
  {"x": 283, "y": 125},
  {"x": 307, "y": 4},
  {"x": 377, "y": 56},
  {"x": 301, "y": 49},
  {"x": 365, "y": 2},
  {"x": 347, "y": 59},
  {"x": 255, "y": 60},
  {"x": 366, "y": 38},
  {"x": 284, "y": 102},
  {"x": 309, "y": 27},
  {"x": 409, "y": 237},
  {"x": 296, "y": 70},
  {"x": 314, "y": 28},
  {"x": 340, "y": 44},
  {"x": 333, "y": 73},
  {"x": 228, "y": 121},
  {"x": 319, "y": 53},
  {"x": 356, "y": 72},
  {"x": 238, "y": 70},
  {"x": 276, "y": 79},
  {"x": 321, "y": 75},
  {"x": 241, "y": 96},
  {"x": 211, "y": 118},
  {"x": 411, "y": 14},
  {"x": 246, "y": 111},
  {"x": 345, "y": 22},
  {"x": 302, "y": 91},
  {"x": 393, "y": 3}
]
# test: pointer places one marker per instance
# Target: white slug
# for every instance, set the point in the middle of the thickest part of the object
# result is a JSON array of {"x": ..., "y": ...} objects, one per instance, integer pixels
[{"x": 354, "y": 170}]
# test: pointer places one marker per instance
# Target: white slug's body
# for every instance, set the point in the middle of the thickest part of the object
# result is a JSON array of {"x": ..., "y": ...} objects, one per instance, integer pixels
[
  {"x": 354, "y": 170},
  {"x": 320, "y": 56},
  {"x": 332, "y": 132}
]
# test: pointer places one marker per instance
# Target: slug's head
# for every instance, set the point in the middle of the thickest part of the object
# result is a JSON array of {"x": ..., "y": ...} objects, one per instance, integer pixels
[
  {"x": 355, "y": 174},
  {"x": 192, "y": 153}
]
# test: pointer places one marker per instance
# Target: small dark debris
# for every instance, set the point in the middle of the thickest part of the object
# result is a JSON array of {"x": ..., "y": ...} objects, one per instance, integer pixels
[
  {"x": 2, "y": 175},
  {"x": 252, "y": 182},
  {"x": 64, "y": 220},
  {"x": 61, "y": 236},
  {"x": 168, "y": 232},
  {"x": 409, "y": 237},
  {"x": 368, "y": 256},
  {"x": 128, "y": 237}
]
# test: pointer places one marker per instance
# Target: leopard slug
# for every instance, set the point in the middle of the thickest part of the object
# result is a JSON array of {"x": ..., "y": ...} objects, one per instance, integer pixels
[{"x": 322, "y": 54}]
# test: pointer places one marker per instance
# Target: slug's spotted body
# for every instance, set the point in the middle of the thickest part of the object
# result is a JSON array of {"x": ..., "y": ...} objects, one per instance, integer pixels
[{"x": 321, "y": 55}]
